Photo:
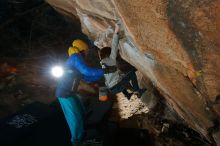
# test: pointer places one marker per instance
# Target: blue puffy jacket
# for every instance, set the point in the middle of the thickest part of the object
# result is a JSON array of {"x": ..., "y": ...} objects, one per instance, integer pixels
[
  {"x": 89, "y": 74},
  {"x": 68, "y": 84}
]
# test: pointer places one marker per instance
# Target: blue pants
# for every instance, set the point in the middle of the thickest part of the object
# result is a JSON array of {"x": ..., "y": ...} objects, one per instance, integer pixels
[{"x": 74, "y": 114}]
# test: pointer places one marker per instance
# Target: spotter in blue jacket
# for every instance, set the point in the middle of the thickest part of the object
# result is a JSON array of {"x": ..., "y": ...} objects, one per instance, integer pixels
[{"x": 72, "y": 108}]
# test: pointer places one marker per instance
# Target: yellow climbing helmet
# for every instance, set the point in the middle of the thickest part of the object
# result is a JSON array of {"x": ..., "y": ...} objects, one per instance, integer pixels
[
  {"x": 72, "y": 50},
  {"x": 80, "y": 44},
  {"x": 77, "y": 46}
]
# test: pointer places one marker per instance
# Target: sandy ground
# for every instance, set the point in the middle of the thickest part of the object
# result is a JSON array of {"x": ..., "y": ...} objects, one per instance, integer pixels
[{"x": 128, "y": 108}]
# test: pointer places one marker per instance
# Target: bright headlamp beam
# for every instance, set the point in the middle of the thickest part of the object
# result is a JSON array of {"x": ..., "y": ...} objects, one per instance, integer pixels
[{"x": 57, "y": 71}]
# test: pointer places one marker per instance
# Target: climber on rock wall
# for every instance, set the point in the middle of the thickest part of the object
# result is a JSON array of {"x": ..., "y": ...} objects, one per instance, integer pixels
[
  {"x": 66, "y": 91},
  {"x": 125, "y": 73}
]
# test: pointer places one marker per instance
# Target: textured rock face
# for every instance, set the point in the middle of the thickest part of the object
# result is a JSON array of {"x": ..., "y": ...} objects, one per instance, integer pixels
[{"x": 174, "y": 43}]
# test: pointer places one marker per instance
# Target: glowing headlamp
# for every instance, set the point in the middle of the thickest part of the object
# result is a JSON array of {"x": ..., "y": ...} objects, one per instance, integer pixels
[{"x": 57, "y": 71}]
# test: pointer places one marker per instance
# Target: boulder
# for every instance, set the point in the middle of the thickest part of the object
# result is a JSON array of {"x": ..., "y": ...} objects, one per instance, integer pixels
[{"x": 174, "y": 43}]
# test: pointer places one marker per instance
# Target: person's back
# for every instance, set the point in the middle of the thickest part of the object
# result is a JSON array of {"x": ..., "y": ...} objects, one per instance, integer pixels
[
  {"x": 111, "y": 79},
  {"x": 123, "y": 67}
]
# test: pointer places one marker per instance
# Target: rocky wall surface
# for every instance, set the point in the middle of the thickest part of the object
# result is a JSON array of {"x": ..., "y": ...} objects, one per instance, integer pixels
[{"x": 174, "y": 43}]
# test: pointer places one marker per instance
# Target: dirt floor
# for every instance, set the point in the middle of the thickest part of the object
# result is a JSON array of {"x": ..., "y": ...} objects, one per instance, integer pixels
[{"x": 32, "y": 43}]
